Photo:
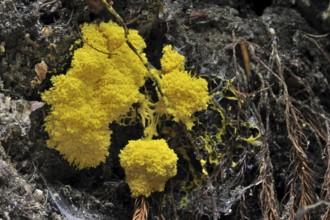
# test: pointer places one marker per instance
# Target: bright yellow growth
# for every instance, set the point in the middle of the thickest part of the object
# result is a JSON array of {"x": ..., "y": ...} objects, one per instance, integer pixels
[
  {"x": 185, "y": 94},
  {"x": 99, "y": 87},
  {"x": 171, "y": 60},
  {"x": 148, "y": 164}
]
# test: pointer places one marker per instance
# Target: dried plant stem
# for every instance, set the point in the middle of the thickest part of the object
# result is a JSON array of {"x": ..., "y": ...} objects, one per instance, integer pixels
[
  {"x": 326, "y": 183},
  {"x": 301, "y": 182},
  {"x": 141, "y": 209},
  {"x": 269, "y": 203}
]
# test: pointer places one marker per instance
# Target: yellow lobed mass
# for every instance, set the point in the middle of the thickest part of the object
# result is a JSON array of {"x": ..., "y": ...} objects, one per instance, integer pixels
[
  {"x": 171, "y": 60},
  {"x": 103, "y": 83},
  {"x": 97, "y": 89},
  {"x": 185, "y": 94},
  {"x": 148, "y": 164}
]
